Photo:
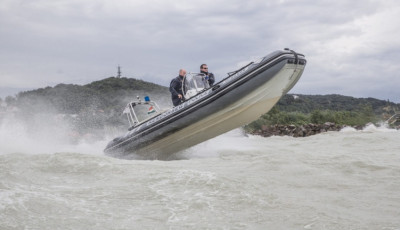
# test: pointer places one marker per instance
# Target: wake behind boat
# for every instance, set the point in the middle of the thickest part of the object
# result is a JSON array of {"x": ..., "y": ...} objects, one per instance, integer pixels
[{"x": 207, "y": 112}]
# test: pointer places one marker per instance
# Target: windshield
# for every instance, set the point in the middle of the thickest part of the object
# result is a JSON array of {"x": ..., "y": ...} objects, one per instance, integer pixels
[{"x": 194, "y": 83}]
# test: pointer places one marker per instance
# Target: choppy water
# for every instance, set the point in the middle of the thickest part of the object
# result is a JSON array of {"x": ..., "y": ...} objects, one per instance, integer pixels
[{"x": 336, "y": 180}]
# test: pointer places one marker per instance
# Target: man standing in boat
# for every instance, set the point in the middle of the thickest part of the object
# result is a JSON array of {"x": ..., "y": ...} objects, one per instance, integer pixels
[
  {"x": 209, "y": 76},
  {"x": 176, "y": 88}
]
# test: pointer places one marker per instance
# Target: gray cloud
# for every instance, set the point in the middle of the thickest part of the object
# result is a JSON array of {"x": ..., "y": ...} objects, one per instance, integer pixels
[{"x": 352, "y": 47}]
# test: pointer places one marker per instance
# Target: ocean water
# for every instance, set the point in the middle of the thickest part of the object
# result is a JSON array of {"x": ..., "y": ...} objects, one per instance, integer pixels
[{"x": 336, "y": 180}]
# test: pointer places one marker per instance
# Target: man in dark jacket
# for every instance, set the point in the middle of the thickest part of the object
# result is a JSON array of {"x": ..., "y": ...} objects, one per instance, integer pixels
[
  {"x": 209, "y": 76},
  {"x": 176, "y": 88}
]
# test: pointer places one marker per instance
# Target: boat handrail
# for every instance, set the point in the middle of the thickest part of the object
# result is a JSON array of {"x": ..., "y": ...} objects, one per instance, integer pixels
[
  {"x": 131, "y": 114},
  {"x": 236, "y": 71}
]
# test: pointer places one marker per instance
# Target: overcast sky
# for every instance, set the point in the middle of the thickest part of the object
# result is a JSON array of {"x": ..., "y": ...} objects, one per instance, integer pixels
[{"x": 352, "y": 47}]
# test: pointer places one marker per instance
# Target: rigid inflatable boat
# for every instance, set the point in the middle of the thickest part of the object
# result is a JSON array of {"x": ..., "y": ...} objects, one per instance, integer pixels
[{"x": 206, "y": 112}]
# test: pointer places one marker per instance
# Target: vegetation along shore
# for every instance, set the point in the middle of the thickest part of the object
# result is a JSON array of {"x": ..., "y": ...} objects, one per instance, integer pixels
[{"x": 305, "y": 115}]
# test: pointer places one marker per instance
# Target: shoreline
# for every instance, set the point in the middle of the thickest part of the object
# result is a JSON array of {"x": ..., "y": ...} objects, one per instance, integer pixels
[{"x": 302, "y": 130}]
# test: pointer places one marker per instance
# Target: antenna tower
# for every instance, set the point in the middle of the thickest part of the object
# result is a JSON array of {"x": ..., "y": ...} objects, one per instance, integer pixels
[{"x": 119, "y": 72}]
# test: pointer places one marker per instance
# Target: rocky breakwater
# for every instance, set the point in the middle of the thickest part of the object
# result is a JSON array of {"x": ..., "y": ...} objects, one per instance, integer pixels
[{"x": 297, "y": 131}]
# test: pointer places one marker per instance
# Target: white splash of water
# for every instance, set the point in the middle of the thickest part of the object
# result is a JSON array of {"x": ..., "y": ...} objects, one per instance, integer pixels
[{"x": 17, "y": 137}]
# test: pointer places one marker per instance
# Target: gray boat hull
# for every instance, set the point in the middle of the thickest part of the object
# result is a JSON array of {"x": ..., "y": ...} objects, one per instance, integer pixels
[{"x": 235, "y": 101}]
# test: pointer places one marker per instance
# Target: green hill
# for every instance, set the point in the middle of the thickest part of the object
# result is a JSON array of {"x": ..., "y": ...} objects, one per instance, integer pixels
[
  {"x": 334, "y": 102},
  {"x": 108, "y": 95}
]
